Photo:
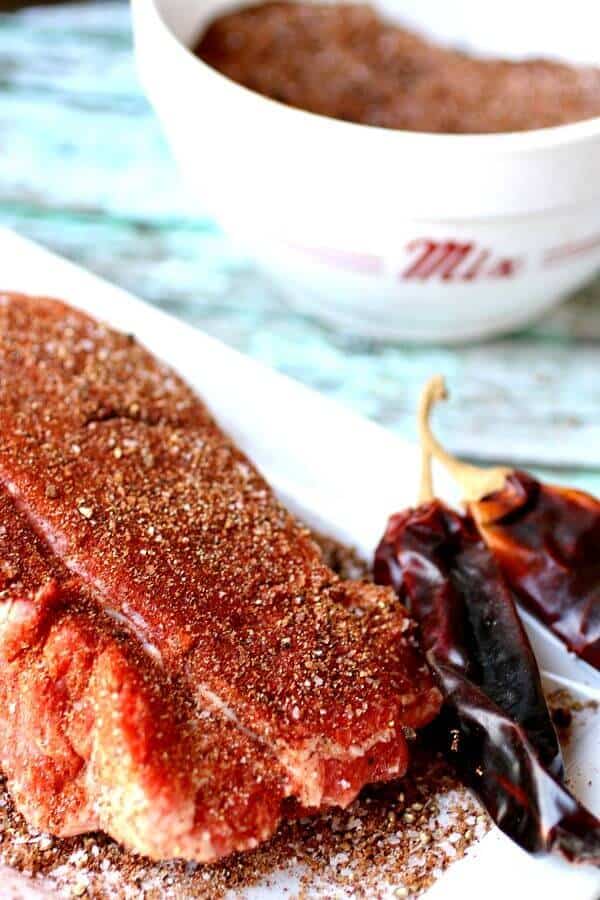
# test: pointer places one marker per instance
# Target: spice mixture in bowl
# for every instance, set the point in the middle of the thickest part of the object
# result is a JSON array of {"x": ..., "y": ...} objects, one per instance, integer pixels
[
  {"x": 350, "y": 189},
  {"x": 347, "y": 62}
]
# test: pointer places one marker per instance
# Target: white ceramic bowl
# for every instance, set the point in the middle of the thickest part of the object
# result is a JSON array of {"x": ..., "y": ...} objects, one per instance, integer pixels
[{"x": 394, "y": 234}]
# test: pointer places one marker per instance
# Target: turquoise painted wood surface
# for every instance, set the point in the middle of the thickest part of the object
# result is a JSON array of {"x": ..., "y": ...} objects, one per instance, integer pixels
[{"x": 84, "y": 169}]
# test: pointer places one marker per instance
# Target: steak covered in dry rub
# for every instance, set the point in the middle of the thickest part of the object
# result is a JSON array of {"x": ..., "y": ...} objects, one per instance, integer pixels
[
  {"x": 180, "y": 667},
  {"x": 95, "y": 734}
]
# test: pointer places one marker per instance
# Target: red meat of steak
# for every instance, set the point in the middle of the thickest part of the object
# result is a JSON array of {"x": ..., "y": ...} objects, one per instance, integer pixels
[
  {"x": 96, "y": 735},
  {"x": 129, "y": 482}
]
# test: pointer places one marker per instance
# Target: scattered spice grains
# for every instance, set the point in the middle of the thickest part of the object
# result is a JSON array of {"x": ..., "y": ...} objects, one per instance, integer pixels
[
  {"x": 565, "y": 709},
  {"x": 344, "y": 560},
  {"x": 396, "y": 838},
  {"x": 404, "y": 834}
]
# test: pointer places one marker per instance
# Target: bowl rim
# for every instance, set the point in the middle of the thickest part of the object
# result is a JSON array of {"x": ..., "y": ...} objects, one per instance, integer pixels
[{"x": 556, "y": 136}]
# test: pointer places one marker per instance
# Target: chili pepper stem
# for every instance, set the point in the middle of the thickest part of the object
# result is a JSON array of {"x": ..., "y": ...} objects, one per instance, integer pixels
[
  {"x": 426, "y": 486},
  {"x": 475, "y": 482},
  {"x": 426, "y": 492}
]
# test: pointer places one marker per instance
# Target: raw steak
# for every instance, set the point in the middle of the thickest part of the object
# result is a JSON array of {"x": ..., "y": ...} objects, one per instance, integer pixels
[
  {"x": 132, "y": 488},
  {"x": 96, "y": 735}
]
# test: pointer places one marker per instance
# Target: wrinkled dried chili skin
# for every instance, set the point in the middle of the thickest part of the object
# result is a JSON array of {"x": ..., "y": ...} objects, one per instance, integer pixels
[
  {"x": 547, "y": 543},
  {"x": 510, "y": 778},
  {"x": 439, "y": 566},
  {"x": 414, "y": 559},
  {"x": 495, "y": 724}
]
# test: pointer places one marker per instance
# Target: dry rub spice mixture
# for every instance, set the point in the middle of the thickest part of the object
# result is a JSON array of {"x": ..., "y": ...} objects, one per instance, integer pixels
[
  {"x": 406, "y": 833},
  {"x": 345, "y": 62},
  {"x": 565, "y": 709}
]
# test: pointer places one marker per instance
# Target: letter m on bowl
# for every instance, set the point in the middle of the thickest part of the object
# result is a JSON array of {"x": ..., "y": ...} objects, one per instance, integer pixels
[{"x": 436, "y": 258}]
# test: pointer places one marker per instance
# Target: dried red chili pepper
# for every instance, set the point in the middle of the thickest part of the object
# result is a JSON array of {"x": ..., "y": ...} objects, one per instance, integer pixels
[
  {"x": 546, "y": 540},
  {"x": 496, "y": 726}
]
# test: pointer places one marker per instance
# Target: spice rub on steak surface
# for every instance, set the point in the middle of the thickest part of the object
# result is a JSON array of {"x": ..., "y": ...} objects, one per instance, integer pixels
[
  {"x": 96, "y": 735},
  {"x": 132, "y": 486}
]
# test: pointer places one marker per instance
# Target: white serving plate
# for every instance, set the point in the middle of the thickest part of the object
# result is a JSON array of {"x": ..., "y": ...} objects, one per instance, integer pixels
[
  {"x": 388, "y": 233},
  {"x": 311, "y": 450}
]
